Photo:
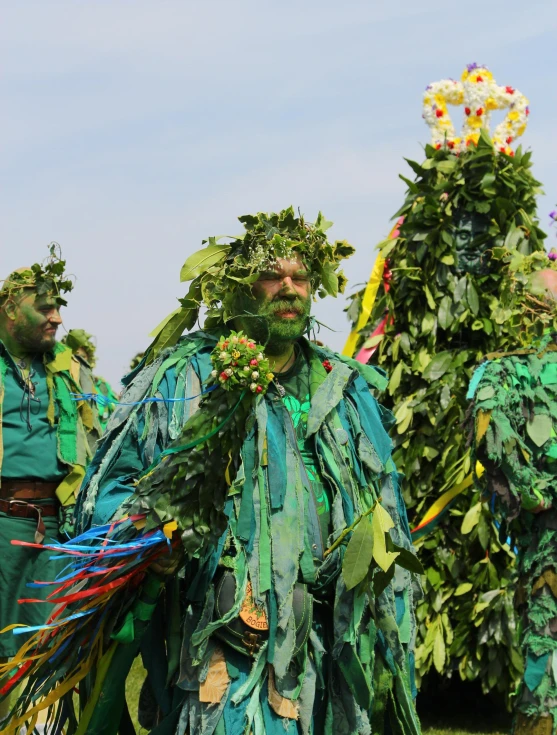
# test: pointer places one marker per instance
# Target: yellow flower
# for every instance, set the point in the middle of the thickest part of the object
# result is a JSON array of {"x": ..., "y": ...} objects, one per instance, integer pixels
[
  {"x": 491, "y": 104},
  {"x": 521, "y": 130},
  {"x": 464, "y": 76},
  {"x": 269, "y": 376},
  {"x": 513, "y": 115},
  {"x": 475, "y": 121},
  {"x": 235, "y": 354}
]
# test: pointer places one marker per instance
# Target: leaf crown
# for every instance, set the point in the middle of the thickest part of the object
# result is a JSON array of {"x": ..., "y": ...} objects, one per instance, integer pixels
[
  {"x": 46, "y": 279},
  {"x": 228, "y": 266},
  {"x": 79, "y": 338}
]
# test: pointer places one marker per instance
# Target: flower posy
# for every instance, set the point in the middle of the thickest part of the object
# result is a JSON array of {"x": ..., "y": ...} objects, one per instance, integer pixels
[
  {"x": 480, "y": 95},
  {"x": 243, "y": 367}
]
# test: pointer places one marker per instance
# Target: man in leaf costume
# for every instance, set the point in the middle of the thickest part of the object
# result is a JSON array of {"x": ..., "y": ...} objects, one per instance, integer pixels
[
  {"x": 81, "y": 343},
  {"x": 514, "y": 407},
  {"x": 468, "y": 219},
  {"x": 43, "y": 437},
  {"x": 298, "y": 617}
]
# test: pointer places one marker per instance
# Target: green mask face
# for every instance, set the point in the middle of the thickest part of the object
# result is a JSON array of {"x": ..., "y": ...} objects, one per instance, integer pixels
[
  {"x": 37, "y": 319},
  {"x": 472, "y": 242}
]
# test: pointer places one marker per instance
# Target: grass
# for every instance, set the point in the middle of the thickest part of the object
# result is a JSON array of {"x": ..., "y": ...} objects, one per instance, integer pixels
[{"x": 489, "y": 717}]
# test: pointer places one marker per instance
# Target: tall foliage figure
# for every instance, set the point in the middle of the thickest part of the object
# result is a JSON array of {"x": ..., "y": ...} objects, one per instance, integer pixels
[{"x": 469, "y": 220}]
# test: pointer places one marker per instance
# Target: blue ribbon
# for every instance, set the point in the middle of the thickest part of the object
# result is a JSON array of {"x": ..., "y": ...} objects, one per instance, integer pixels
[{"x": 105, "y": 401}]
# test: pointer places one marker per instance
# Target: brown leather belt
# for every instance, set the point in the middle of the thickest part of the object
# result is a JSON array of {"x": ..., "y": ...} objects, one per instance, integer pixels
[
  {"x": 16, "y": 494},
  {"x": 27, "y": 489}
]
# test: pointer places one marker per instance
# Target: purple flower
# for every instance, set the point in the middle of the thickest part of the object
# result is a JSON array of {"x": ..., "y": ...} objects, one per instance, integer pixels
[
  {"x": 472, "y": 66},
  {"x": 552, "y": 256},
  {"x": 553, "y": 215},
  {"x": 428, "y": 88}
]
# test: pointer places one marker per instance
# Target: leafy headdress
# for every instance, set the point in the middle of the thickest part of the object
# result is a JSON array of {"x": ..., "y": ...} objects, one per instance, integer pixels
[
  {"x": 222, "y": 271},
  {"x": 77, "y": 339},
  {"x": 458, "y": 274},
  {"x": 46, "y": 278}
]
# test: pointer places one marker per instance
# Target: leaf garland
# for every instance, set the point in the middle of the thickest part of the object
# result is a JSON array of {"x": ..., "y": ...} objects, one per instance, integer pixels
[
  {"x": 47, "y": 278},
  {"x": 444, "y": 322},
  {"x": 221, "y": 271}
]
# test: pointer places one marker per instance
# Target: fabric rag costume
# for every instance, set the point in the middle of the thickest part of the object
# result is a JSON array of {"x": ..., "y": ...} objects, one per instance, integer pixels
[
  {"x": 44, "y": 452},
  {"x": 513, "y": 413},
  {"x": 293, "y": 611}
]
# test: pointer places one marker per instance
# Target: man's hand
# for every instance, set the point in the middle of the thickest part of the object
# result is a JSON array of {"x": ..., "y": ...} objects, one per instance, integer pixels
[{"x": 66, "y": 521}]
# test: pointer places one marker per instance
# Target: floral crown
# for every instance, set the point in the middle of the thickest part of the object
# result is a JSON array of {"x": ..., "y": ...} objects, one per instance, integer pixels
[
  {"x": 221, "y": 271},
  {"x": 479, "y": 94},
  {"x": 46, "y": 278}
]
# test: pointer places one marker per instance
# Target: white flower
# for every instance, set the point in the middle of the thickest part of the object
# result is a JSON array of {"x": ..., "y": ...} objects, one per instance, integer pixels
[
  {"x": 260, "y": 356},
  {"x": 246, "y": 368},
  {"x": 253, "y": 387},
  {"x": 254, "y": 375},
  {"x": 214, "y": 373},
  {"x": 229, "y": 371},
  {"x": 223, "y": 355},
  {"x": 234, "y": 340}
]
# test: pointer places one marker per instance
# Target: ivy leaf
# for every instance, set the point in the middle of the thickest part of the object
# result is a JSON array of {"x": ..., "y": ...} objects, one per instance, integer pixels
[
  {"x": 201, "y": 260},
  {"x": 329, "y": 279},
  {"x": 359, "y": 554},
  {"x": 539, "y": 429}
]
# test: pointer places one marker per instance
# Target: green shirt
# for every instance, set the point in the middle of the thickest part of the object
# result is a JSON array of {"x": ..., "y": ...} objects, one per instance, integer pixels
[
  {"x": 30, "y": 442},
  {"x": 297, "y": 400}
]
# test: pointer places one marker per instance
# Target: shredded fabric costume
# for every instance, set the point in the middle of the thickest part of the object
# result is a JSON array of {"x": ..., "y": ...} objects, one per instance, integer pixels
[
  {"x": 260, "y": 635},
  {"x": 514, "y": 410},
  {"x": 43, "y": 437}
]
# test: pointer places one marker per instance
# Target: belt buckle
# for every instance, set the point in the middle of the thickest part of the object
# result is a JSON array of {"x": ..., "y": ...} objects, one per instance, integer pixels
[{"x": 252, "y": 641}]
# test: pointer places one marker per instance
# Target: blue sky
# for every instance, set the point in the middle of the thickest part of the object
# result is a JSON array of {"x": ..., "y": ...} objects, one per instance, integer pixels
[{"x": 130, "y": 131}]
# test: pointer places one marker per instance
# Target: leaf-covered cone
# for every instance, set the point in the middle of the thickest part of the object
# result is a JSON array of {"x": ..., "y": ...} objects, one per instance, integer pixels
[{"x": 460, "y": 268}]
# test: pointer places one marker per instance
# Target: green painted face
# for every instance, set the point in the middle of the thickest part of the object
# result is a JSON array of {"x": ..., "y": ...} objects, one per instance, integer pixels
[
  {"x": 35, "y": 322},
  {"x": 278, "y": 311}
]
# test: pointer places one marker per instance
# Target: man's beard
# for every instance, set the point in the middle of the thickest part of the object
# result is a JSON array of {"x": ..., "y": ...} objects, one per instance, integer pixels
[
  {"x": 33, "y": 339},
  {"x": 271, "y": 330}
]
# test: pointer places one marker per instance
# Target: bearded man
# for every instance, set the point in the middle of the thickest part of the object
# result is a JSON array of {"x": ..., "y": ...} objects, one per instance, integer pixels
[
  {"x": 43, "y": 438},
  {"x": 294, "y": 617}
]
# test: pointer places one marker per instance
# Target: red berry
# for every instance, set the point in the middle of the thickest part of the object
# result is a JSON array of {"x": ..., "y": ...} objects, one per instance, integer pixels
[
  {"x": 502, "y": 149},
  {"x": 509, "y": 139},
  {"x": 224, "y": 376},
  {"x": 527, "y": 110},
  {"x": 437, "y": 146},
  {"x": 439, "y": 113},
  {"x": 479, "y": 78},
  {"x": 258, "y": 389},
  {"x": 479, "y": 111},
  {"x": 253, "y": 362},
  {"x": 450, "y": 143},
  {"x": 251, "y": 346},
  {"x": 511, "y": 154},
  {"x": 509, "y": 90},
  {"x": 468, "y": 142},
  {"x": 467, "y": 110}
]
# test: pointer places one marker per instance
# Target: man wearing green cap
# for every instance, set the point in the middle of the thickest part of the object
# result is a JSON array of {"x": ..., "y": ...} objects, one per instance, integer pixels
[{"x": 44, "y": 433}]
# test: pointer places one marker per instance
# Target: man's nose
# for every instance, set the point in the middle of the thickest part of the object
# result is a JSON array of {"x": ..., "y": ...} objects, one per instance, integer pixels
[
  {"x": 54, "y": 317},
  {"x": 287, "y": 288}
]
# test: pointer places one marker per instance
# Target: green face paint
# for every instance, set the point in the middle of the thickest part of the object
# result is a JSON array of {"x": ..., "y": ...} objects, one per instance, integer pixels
[{"x": 36, "y": 321}]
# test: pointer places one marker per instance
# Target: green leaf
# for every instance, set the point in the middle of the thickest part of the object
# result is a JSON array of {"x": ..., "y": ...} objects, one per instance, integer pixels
[
  {"x": 472, "y": 298},
  {"x": 438, "y": 366},
  {"x": 203, "y": 259},
  {"x": 445, "y": 316},
  {"x": 359, "y": 553},
  {"x": 382, "y": 523},
  {"x": 431, "y": 303},
  {"x": 408, "y": 560},
  {"x": 471, "y": 518},
  {"x": 396, "y": 376},
  {"x": 439, "y": 653},
  {"x": 463, "y": 588},
  {"x": 539, "y": 429},
  {"x": 329, "y": 279}
]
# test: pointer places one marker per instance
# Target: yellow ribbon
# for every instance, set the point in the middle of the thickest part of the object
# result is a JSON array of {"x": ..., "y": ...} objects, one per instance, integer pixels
[{"x": 441, "y": 502}]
